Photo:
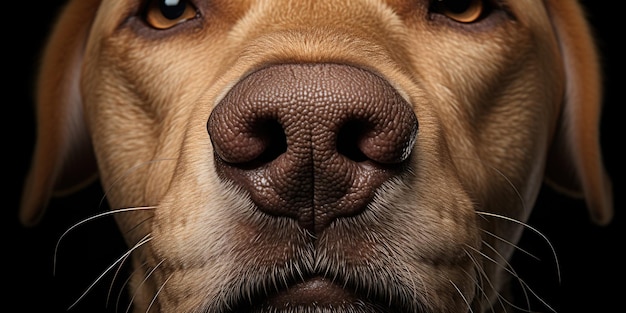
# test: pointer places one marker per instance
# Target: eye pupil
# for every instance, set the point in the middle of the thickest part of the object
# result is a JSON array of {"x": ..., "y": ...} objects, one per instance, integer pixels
[
  {"x": 172, "y": 9},
  {"x": 457, "y": 6}
]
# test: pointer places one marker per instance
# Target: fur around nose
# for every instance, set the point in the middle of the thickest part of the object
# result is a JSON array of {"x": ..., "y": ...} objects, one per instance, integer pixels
[{"x": 312, "y": 142}]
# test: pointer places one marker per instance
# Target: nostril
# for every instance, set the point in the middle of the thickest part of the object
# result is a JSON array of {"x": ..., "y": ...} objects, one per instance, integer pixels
[
  {"x": 274, "y": 141},
  {"x": 248, "y": 145},
  {"x": 349, "y": 138},
  {"x": 383, "y": 140}
]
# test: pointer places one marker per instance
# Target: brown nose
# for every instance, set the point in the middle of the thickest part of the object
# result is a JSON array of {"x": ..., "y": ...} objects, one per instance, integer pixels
[{"x": 312, "y": 142}]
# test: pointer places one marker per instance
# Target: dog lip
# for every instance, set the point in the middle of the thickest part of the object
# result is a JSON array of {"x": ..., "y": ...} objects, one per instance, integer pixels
[
  {"x": 318, "y": 294},
  {"x": 317, "y": 291}
]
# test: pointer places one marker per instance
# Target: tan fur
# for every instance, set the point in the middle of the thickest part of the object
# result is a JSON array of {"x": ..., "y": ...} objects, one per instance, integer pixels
[{"x": 499, "y": 104}]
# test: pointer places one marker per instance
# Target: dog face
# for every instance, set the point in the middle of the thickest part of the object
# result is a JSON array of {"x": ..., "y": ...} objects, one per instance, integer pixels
[{"x": 316, "y": 156}]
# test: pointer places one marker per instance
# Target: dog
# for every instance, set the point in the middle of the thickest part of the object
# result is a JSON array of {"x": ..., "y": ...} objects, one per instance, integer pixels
[{"x": 320, "y": 156}]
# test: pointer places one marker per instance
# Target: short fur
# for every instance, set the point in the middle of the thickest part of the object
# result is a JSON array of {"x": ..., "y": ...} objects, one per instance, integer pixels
[{"x": 503, "y": 103}]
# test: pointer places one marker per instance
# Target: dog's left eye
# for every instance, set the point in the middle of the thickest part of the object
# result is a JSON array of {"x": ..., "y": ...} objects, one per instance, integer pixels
[
  {"x": 164, "y": 14},
  {"x": 463, "y": 11}
]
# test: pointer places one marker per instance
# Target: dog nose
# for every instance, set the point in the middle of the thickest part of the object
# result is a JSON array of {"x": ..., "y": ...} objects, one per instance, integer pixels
[{"x": 312, "y": 142}]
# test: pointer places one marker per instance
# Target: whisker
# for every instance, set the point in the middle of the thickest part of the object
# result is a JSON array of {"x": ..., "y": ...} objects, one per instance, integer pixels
[
  {"x": 480, "y": 278},
  {"x": 484, "y": 277},
  {"x": 462, "y": 296},
  {"x": 489, "y": 258},
  {"x": 158, "y": 292},
  {"x": 493, "y": 168},
  {"x": 139, "y": 223},
  {"x": 558, "y": 268},
  {"x": 519, "y": 196},
  {"x": 525, "y": 208},
  {"x": 139, "y": 244},
  {"x": 119, "y": 295},
  {"x": 132, "y": 299},
  {"x": 512, "y": 244},
  {"x": 525, "y": 286},
  {"x": 519, "y": 279},
  {"x": 56, "y": 248},
  {"x": 509, "y": 268},
  {"x": 119, "y": 268}
]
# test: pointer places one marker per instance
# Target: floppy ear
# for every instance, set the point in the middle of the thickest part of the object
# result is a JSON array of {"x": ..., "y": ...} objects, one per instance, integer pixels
[
  {"x": 575, "y": 164},
  {"x": 63, "y": 158}
]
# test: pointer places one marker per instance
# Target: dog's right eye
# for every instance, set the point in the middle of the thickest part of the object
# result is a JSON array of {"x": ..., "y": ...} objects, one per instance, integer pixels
[
  {"x": 164, "y": 14},
  {"x": 462, "y": 11}
]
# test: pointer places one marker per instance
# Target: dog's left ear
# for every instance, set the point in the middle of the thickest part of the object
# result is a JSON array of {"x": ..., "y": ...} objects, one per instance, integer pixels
[
  {"x": 63, "y": 158},
  {"x": 575, "y": 165}
]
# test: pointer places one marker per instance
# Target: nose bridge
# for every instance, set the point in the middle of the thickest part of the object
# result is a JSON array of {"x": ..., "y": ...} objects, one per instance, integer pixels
[
  {"x": 309, "y": 14},
  {"x": 348, "y": 31}
]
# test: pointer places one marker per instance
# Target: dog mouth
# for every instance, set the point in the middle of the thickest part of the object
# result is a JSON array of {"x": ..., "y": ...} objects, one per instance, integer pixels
[{"x": 317, "y": 295}]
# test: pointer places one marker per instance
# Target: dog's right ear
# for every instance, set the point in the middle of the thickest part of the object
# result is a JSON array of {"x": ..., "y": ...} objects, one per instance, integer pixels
[
  {"x": 63, "y": 158},
  {"x": 575, "y": 165}
]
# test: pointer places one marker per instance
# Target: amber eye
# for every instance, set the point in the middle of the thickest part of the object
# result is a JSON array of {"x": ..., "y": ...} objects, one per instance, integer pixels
[
  {"x": 163, "y": 14},
  {"x": 463, "y": 11}
]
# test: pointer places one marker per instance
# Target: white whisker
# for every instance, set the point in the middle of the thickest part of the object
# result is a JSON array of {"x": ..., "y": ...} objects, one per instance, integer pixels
[
  {"x": 158, "y": 292},
  {"x": 139, "y": 244},
  {"x": 512, "y": 272},
  {"x": 537, "y": 296},
  {"x": 56, "y": 248},
  {"x": 512, "y": 244},
  {"x": 509, "y": 268},
  {"x": 119, "y": 268},
  {"x": 482, "y": 276},
  {"x": 515, "y": 189},
  {"x": 534, "y": 230},
  {"x": 132, "y": 299},
  {"x": 490, "y": 259},
  {"x": 139, "y": 223},
  {"x": 119, "y": 295},
  {"x": 462, "y": 296}
]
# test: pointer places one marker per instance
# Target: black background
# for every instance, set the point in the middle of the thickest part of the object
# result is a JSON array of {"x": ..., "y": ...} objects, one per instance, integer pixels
[{"x": 591, "y": 264}]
